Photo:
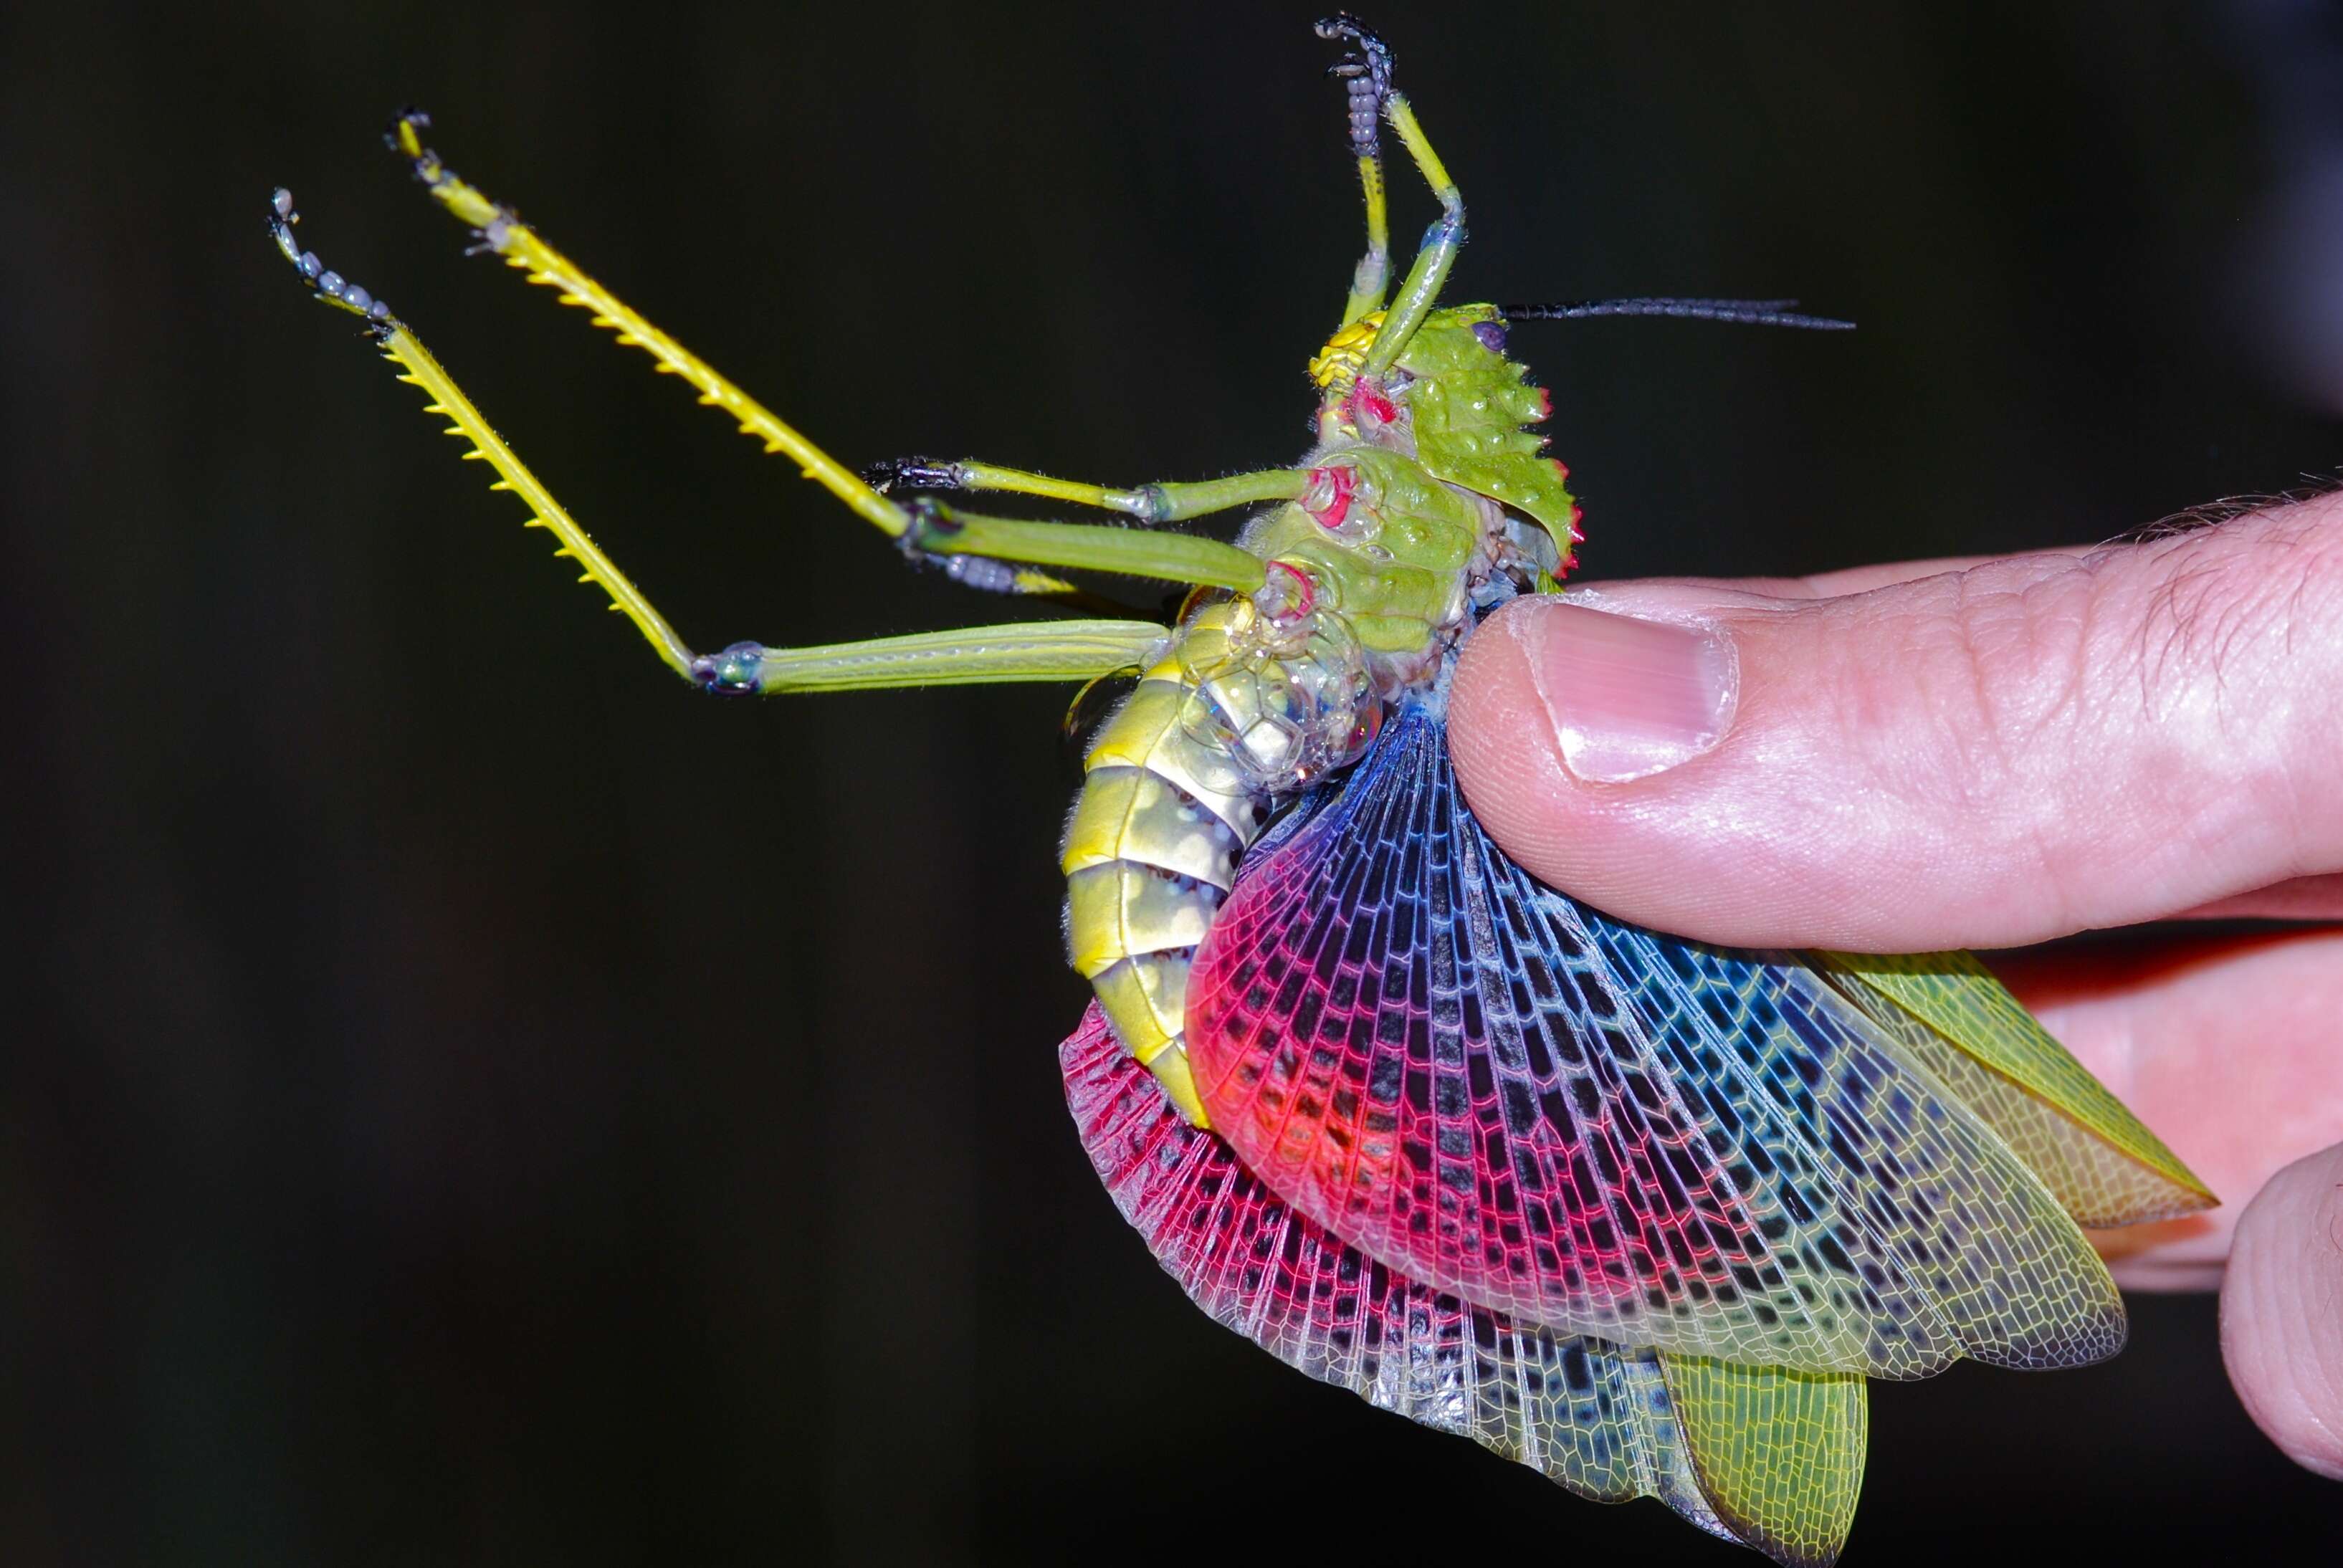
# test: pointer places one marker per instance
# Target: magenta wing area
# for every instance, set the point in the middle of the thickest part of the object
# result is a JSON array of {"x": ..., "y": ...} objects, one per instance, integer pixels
[
  {"x": 1592, "y": 1416},
  {"x": 1578, "y": 1124}
]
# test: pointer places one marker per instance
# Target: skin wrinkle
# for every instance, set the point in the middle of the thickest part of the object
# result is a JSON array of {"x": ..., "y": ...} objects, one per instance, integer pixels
[
  {"x": 2210, "y": 635},
  {"x": 2306, "y": 604},
  {"x": 2086, "y": 806},
  {"x": 2179, "y": 624},
  {"x": 1852, "y": 708},
  {"x": 2231, "y": 631},
  {"x": 2205, "y": 584},
  {"x": 1992, "y": 739},
  {"x": 2297, "y": 813},
  {"x": 1968, "y": 763},
  {"x": 2325, "y": 1310},
  {"x": 2006, "y": 741},
  {"x": 1979, "y": 649},
  {"x": 2241, "y": 624},
  {"x": 2072, "y": 704},
  {"x": 2299, "y": 613}
]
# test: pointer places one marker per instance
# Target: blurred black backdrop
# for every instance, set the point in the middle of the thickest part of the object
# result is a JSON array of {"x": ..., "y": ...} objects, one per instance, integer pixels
[{"x": 465, "y": 1100}]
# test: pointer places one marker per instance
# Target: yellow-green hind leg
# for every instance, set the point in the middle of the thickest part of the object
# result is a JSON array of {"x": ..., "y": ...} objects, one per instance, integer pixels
[
  {"x": 924, "y": 530},
  {"x": 1042, "y": 650},
  {"x": 1168, "y": 502},
  {"x": 501, "y": 231}
]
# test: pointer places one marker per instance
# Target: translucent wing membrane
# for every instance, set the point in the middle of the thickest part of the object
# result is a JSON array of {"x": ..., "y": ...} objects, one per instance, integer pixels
[
  {"x": 1595, "y": 1418},
  {"x": 1580, "y": 1124},
  {"x": 1778, "y": 1454},
  {"x": 2109, "y": 1168},
  {"x": 1769, "y": 1458},
  {"x": 2105, "y": 1166}
]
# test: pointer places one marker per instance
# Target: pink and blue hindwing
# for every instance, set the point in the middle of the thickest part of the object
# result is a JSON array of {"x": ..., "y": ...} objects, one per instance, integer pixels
[
  {"x": 1771, "y": 1459},
  {"x": 1592, "y": 1416},
  {"x": 1578, "y": 1124}
]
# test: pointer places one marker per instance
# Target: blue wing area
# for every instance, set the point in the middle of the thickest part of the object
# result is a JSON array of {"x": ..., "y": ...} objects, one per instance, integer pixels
[{"x": 1576, "y": 1123}]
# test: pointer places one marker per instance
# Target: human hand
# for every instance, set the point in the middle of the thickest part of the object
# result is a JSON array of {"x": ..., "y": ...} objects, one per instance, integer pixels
[{"x": 1989, "y": 753}]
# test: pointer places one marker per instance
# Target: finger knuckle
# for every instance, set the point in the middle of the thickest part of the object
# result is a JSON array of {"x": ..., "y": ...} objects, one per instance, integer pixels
[
  {"x": 1997, "y": 663},
  {"x": 2228, "y": 620}
]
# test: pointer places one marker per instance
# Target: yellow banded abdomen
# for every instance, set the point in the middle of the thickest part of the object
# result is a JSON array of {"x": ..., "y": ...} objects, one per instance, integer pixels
[{"x": 1150, "y": 852}]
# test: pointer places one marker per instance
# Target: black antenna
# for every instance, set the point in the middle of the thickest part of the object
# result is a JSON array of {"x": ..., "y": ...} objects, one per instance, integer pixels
[{"x": 1748, "y": 312}]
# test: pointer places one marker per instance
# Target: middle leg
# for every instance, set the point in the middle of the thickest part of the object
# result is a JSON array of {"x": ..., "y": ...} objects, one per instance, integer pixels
[{"x": 1164, "y": 503}]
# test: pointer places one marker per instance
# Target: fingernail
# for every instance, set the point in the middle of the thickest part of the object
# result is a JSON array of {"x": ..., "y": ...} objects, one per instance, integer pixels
[{"x": 1628, "y": 698}]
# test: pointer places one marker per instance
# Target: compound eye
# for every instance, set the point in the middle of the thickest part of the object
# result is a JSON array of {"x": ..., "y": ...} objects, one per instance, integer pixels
[{"x": 1492, "y": 335}]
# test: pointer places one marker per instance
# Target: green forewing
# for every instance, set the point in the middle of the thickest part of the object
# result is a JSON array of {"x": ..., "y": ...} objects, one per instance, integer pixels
[
  {"x": 1778, "y": 1454},
  {"x": 2104, "y": 1165}
]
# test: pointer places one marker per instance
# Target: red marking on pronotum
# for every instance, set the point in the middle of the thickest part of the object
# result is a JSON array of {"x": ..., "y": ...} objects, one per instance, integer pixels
[
  {"x": 1577, "y": 512},
  {"x": 1340, "y": 480}
]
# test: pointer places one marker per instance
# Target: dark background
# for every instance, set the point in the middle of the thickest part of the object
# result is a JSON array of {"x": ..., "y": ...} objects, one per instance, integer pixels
[{"x": 465, "y": 1100}]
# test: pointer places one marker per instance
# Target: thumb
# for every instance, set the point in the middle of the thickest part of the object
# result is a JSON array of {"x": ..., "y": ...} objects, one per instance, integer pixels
[
  {"x": 1980, "y": 758},
  {"x": 2281, "y": 1325}
]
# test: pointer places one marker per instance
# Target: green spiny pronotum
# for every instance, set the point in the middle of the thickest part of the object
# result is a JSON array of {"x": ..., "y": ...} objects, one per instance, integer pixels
[{"x": 1640, "y": 1213}]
